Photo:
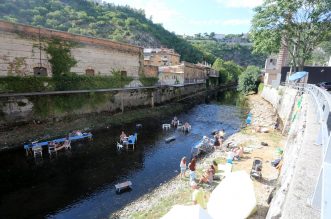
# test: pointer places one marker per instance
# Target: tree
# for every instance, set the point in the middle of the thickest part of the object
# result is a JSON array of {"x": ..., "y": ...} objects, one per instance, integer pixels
[
  {"x": 248, "y": 80},
  {"x": 299, "y": 25},
  {"x": 212, "y": 35},
  {"x": 228, "y": 71}
]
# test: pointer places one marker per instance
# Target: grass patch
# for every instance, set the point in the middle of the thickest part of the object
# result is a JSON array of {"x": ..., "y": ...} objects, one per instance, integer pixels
[
  {"x": 260, "y": 88},
  {"x": 148, "y": 81},
  {"x": 181, "y": 196}
]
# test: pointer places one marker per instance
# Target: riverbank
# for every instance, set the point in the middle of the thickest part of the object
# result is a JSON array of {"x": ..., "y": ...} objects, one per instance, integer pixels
[
  {"x": 15, "y": 137},
  {"x": 159, "y": 202}
]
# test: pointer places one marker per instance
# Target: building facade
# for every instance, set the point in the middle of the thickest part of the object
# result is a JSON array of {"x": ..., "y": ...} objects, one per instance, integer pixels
[
  {"x": 161, "y": 57},
  {"x": 185, "y": 73},
  {"x": 22, "y": 53}
]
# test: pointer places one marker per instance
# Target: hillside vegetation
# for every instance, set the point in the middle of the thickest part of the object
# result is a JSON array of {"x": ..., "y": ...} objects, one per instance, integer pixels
[
  {"x": 237, "y": 52},
  {"x": 123, "y": 24}
]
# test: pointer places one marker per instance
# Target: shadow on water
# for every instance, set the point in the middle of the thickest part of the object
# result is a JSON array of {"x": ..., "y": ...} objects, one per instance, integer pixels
[{"x": 80, "y": 184}]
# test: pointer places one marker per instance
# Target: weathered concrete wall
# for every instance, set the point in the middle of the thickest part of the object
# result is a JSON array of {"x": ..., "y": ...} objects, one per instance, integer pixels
[
  {"x": 282, "y": 99},
  {"x": 19, "y": 52},
  {"x": 301, "y": 158},
  {"x": 23, "y": 109}
]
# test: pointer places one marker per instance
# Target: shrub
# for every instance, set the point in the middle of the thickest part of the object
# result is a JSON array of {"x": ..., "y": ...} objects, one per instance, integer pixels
[{"x": 248, "y": 80}]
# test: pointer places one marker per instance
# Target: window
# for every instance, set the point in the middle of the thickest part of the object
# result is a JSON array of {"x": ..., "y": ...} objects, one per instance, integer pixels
[
  {"x": 89, "y": 72},
  {"x": 40, "y": 71},
  {"x": 124, "y": 73}
]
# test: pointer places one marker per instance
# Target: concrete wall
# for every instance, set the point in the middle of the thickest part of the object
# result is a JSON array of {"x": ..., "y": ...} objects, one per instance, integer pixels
[
  {"x": 282, "y": 99},
  {"x": 19, "y": 52},
  {"x": 301, "y": 157},
  {"x": 24, "y": 109}
]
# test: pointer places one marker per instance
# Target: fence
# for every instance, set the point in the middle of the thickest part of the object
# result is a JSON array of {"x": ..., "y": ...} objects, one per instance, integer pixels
[{"x": 322, "y": 194}]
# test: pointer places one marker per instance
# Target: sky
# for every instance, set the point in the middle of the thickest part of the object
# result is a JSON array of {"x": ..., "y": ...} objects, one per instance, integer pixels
[{"x": 198, "y": 16}]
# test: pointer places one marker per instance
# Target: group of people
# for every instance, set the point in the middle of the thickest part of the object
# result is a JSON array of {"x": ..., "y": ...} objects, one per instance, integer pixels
[
  {"x": 234, "y": 152},
  {"x": 57, "y": 146},
  {"x": 198, "y": 195}
]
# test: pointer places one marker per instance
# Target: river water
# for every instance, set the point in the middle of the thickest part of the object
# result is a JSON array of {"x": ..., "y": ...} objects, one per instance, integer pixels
[{"x": 80, "y": 183}]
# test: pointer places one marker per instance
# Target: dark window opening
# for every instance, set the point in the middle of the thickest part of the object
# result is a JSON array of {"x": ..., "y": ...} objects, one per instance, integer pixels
[
  {"x": 89, "y": 72},
  {"x": 124, "y": 73},
  {"x": 40, "y": 71}
]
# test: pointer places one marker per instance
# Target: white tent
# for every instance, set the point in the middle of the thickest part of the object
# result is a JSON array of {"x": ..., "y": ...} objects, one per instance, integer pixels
[
  {"x": 186, "y": 212},
  {"x": 233, "y": 198}
]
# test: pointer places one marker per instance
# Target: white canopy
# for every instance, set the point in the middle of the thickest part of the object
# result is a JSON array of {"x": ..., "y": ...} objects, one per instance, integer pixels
[
  {"x": 189, "y": 212},
  {"x": 233, "y": 198}
]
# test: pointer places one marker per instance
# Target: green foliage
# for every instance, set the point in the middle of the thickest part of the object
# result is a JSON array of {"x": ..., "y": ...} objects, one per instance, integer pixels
[
  {"x": 148, "y": 81},
  {"x": 64, "y": 82},
  {"x": 61, "y": 58},
  {"x": 25, "y": 84},
  {"x": 239, "y": 53},
  {"x": 120, "y": 23},
  {"x": 248, "y": 80},
  {"x": 45, "y": 106},
  {"x": 81, "y": 82},
  {"x": 260, "y": 88},
  {"x": 228, "y": 71},
  {"x": 299, "y": 25}
]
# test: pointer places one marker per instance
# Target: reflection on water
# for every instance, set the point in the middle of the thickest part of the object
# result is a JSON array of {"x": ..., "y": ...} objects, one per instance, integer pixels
[{"x": 80, "y": 184}]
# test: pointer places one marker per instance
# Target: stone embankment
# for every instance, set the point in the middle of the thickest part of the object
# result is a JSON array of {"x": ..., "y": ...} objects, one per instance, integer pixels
[{"x": 177, "y": 191}]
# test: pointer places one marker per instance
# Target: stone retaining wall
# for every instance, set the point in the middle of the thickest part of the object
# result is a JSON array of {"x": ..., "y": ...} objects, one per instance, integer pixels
[{"x": 24, "y": 109}]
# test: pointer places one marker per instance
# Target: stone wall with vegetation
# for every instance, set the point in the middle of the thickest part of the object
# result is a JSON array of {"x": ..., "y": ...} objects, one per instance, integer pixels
[
  {"x": 22, "y": 48},
  {"x": 15, "y": 110}
]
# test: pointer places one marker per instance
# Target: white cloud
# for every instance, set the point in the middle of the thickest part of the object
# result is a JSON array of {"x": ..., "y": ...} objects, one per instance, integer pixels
[
  {"x": 229, "y": 22},
  {"x": 240, "y": 3}
]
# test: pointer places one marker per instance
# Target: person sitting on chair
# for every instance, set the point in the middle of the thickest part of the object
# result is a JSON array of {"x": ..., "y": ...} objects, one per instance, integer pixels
[
  {"x": 186, "y": 127},
  {"x": 208, "y": 176},
  {"x": 66, "y": 143},
  {"x": 123, "y": 137},
  {"x": 239, "y": 151},
  {"x": 174, "y": 122}
]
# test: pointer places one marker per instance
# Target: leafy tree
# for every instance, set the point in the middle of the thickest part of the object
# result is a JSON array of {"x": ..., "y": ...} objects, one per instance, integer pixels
[
  {"x": 240, "y": 54},
  {"x": 299, "y": 25},
  {"x": 248, "y": 80},
  {"x": 61, "y": 58},
  {"x": 228, "y": 70}
]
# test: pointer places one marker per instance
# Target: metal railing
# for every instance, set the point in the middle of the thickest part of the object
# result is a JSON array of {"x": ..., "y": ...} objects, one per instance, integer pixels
[{"x": 322, "y": 195}]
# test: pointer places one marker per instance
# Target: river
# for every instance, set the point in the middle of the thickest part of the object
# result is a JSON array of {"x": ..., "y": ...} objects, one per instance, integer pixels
[{"x": 80, "y": 183}]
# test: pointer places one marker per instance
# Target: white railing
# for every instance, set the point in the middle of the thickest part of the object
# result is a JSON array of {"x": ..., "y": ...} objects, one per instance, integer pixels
[{"x": 322, "y": 195}]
